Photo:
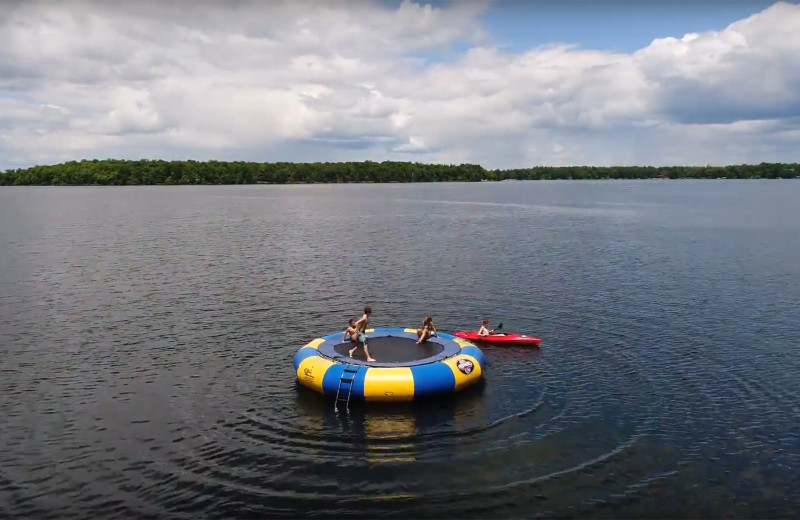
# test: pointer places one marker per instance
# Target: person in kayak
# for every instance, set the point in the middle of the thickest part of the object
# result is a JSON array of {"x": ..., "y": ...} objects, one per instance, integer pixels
[
  {"x": 484, "y": 330},
  {"x": 361, "y": 328},
  {"x": 428, "y": 329}
]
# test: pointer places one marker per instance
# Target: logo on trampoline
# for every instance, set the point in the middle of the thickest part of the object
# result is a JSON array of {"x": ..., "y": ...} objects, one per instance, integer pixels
[
  {"x": 465, "y": 366},
  {"x": 307, "y": 372}
]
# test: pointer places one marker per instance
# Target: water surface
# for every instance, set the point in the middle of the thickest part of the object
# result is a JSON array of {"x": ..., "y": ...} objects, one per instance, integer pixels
[{"x": 147, "y": 335}]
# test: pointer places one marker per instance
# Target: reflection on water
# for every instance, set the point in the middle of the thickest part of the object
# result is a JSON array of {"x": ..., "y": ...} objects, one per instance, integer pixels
[
  {"x": 147, "y": 337},
  {"x": 392, "y": 432}
]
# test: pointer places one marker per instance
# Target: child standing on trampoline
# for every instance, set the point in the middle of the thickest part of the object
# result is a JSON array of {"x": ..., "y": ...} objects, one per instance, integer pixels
[{"x": 361, "y": 337}]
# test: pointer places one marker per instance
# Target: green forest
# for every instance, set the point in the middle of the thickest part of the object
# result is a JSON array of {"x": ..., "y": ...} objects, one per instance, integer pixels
[{"x": 136, "y": 172}]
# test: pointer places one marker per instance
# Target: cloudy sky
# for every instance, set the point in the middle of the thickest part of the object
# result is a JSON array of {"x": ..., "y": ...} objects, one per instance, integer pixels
[{"x": 503, "y": 84}]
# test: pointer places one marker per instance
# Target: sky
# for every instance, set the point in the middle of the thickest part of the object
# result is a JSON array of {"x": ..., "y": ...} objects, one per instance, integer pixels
[{"x": 504, "y": 84}]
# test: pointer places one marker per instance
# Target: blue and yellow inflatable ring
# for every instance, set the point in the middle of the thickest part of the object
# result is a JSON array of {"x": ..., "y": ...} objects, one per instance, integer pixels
[{"x": 402, "y": 371}]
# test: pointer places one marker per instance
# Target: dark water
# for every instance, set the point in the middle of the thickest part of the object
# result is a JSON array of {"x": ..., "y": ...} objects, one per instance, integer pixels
[{"x": 147, "y": 335}]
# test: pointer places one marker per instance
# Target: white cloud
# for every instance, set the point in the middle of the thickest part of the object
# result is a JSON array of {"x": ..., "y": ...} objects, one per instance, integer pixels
[
  {"x": 346, "y": 80},
  {"x": 751, "y": 70}
]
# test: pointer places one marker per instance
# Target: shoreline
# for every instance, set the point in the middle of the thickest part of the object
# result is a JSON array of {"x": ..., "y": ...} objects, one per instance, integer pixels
[
  {"x": 158, "y": 172},
  {"x": 356, "y": 183}
]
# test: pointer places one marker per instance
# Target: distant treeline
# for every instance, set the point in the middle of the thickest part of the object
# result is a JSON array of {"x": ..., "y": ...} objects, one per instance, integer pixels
[{"x": 123, "y": 172}]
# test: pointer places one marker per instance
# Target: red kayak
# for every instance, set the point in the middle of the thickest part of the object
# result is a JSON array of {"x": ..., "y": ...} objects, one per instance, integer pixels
[{"x": 500, "y": 339}]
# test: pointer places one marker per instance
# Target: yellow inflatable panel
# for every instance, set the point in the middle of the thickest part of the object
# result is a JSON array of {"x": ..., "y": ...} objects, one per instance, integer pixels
[
  {"x": 312, "y": 370},
  {"x": 315, "y": 343},
  {"x": 466, "y": 369},
  {"x": 389, "y": 384}
]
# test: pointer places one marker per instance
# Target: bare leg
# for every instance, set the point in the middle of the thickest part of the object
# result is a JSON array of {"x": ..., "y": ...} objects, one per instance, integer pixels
[
  {"x": 424, "y": 336},
  {"x": 366, "y": 351}
]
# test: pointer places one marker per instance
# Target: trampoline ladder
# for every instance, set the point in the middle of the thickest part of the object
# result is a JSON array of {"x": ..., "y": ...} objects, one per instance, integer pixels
[{"x": 346, "y": 385}]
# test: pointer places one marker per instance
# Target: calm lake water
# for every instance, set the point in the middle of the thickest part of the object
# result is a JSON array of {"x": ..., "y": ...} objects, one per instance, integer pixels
[{"x": 147, "y": 336}]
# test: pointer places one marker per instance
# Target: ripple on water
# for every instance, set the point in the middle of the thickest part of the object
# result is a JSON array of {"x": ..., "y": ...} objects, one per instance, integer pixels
[{"x": 146, "y": 367}]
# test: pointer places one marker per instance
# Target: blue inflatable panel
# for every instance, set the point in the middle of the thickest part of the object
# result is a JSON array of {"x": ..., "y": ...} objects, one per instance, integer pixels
[
  {"x": 474, "y": 352},
  {"x": 433, "y": 378},
  {"x": 330, "y": 382},
  {"x": 303, "y": 353}
]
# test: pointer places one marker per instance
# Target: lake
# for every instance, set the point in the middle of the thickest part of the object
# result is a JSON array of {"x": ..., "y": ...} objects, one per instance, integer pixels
[{"x": 147, "y": 336}]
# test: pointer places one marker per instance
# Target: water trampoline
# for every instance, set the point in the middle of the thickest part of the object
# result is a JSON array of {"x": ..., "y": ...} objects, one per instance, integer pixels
[{"x": 402, "y": 370}]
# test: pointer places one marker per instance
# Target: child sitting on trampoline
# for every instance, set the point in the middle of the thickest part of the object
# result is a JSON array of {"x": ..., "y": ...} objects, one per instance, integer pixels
[
  {"x": 351, "y": 332},
  {"x": 428, "y": 329}
]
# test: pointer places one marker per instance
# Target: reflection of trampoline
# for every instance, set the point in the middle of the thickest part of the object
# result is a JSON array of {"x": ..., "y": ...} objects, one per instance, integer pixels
[{"x": 402, "y": 370}]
